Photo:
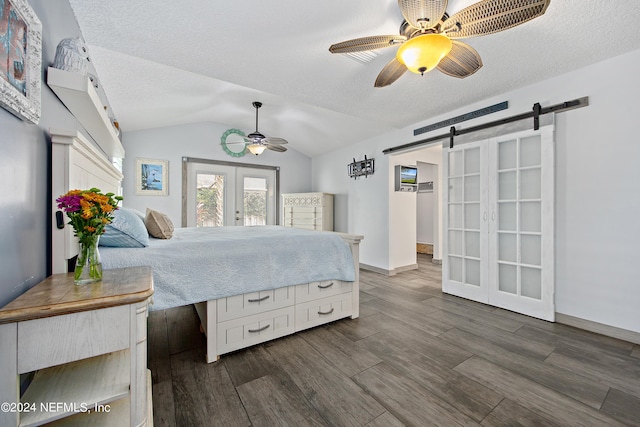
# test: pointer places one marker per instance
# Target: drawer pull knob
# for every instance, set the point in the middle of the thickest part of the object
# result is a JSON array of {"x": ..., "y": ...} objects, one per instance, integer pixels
[
  {"x": 324, "y": 313},
  {"x": 253, "y": 331},
  {"x": 259, "y": 299},
  {"x": 325, "y": 286}
]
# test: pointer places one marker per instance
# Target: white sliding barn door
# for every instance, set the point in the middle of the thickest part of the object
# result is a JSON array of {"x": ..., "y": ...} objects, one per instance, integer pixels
[
  {"x": 465, "y": 243},
  {"x": 521, "y": 230},
  {"x": 511, "y": 266}
]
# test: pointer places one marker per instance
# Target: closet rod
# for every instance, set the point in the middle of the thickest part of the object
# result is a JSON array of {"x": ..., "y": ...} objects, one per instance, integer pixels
[{"x": 536, "y": 112}]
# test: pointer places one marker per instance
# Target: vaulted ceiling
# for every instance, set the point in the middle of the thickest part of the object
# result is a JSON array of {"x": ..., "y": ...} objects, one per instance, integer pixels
[{"x": 165, "y": 63}]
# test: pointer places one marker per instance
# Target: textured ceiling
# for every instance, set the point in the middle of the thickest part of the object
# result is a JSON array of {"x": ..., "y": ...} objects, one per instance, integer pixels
[{"x": 166, "y": 63}]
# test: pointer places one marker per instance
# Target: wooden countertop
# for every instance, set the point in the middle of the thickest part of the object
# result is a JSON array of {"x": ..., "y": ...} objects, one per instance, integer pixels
[{"x": 57, "y": 294}]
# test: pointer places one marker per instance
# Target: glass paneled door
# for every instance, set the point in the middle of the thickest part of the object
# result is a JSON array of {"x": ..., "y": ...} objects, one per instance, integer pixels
[
  {"x": 465, "y": 222},
  {"x": 521, "y": 226},
  {"x": 221, "y": 195},
  {"x": 499, "y": 203}
]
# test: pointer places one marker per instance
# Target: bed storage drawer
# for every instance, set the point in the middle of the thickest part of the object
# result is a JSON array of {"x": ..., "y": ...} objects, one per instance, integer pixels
[
  {"x": 239, "y": 306},
  {"x": 239, "y": 333},
  {"x": 314, "y": 290},
  {"x": 323, "y": 310}
]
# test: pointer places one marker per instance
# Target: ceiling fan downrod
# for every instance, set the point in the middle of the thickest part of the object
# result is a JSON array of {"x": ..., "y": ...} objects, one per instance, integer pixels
[{"x": 257, "y": 105}]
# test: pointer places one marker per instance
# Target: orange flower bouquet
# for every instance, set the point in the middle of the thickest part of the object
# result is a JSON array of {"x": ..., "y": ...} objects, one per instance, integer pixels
[{"x": 88, "y": 211}]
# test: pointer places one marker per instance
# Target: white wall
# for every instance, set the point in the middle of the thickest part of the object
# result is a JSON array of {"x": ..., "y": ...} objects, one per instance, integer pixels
[
  {"x": 597, "y": 188},
  {"x": 200, "y": 140},
  {"x": 360, "y": 205},
  {"x": 402, "y": 218}
]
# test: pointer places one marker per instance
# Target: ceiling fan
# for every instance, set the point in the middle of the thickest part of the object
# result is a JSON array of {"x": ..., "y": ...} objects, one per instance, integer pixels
[
  {"x": 428, "y": 35},
  {"x": 257, "y": 142}
]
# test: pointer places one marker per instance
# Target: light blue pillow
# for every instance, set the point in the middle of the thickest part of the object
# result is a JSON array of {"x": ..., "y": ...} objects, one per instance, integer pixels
[{"x": 127, "y": 230}]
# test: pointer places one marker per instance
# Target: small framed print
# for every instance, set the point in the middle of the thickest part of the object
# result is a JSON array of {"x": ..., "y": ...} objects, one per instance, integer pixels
[{"x": 152, "y": 177}]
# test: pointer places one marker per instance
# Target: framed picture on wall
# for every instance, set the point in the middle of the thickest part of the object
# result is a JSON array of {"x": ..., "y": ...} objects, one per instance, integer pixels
[
  {"x": 20, "y": 59},
  {"x": 152, "y": 177}
]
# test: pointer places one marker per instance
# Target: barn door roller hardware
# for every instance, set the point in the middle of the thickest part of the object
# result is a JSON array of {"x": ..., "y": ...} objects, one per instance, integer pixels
[{"x": 535, "y": 113}]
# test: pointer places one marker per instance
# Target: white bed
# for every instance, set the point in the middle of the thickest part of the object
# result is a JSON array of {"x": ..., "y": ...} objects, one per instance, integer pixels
[{"x": 231, "y": 317}]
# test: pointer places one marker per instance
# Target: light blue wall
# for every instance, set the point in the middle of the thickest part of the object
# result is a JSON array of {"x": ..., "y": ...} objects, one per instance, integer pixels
[
  {"x": 199, "y": 140},
  {"x": 24, "y": 169}
]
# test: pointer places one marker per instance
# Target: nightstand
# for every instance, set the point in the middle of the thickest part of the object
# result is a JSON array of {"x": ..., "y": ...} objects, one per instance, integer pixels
[{"x": 86, "y": 347}]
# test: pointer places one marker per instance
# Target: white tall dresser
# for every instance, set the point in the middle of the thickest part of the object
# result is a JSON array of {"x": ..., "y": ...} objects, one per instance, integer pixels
[{"x": 312, "y": 211}]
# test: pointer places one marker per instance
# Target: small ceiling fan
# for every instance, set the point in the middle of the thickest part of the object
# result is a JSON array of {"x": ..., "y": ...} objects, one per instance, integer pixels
[
  {"x": 257, "y": 142},
  {"x": 428, "y": 35}
]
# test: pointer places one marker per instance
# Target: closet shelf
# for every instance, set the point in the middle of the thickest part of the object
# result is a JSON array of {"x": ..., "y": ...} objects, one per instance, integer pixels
[{"x": 78, "y": 94}]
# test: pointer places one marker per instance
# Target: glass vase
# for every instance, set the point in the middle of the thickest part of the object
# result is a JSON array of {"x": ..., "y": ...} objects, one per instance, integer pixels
[{"x": 88, "y": 265}]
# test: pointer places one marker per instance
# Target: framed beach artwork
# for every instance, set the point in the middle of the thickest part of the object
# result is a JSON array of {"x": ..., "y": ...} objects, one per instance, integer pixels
[
  {"x": 152, "y": 177},
  {"x": 20, "y": 59}
]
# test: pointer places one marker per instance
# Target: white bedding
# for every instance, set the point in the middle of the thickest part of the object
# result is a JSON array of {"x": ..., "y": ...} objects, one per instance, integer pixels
[{"x": 201, "y": 264}]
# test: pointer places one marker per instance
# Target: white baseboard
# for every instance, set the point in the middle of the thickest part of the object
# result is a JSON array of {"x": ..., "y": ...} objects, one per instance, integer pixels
[
  {"x": 436, "y": 261},
  {"x": 375, "y": 269},
  {"x": 388, "y": 272},
  {"x": 599, "y": 328}
]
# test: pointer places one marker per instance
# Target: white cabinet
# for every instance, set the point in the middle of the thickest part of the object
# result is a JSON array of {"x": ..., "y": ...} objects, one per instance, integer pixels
[
  {"x": 312, "y": 211},
  {"x": 499, "y": 206},
  {"x": 85, "y": 347}
]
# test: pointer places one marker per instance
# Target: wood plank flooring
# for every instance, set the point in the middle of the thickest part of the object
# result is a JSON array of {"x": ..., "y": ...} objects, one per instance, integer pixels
[{"x": 415, "y": 357}]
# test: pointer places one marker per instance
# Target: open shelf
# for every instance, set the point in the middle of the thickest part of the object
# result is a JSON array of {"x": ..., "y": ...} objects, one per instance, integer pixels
[
  {"x": 79, "y": 385},
  {"x": 78, "y": 94}
]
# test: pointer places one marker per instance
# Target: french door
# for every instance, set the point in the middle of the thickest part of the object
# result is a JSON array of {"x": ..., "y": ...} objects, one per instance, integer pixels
[
  {"x": 499, "y": 222},
  {"x": 222, "y": 195}
]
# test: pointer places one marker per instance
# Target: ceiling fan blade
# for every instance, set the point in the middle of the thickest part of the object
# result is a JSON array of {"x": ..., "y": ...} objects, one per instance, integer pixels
[
  {"x": 366, "y": 43},
  {"x": 492, "y": 16},
  {"x": 390, "y": 73},
  {"x": 461, "y": 62},
  {"x": 278, "y": 148},
  {"x": 276, "y": 141},
  {"x": 422, "y": 14}
]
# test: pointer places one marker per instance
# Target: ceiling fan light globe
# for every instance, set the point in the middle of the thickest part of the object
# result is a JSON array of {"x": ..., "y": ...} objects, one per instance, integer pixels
[
  {"x": 256, "y": 149},
  {"x": 423, "y": 53}
]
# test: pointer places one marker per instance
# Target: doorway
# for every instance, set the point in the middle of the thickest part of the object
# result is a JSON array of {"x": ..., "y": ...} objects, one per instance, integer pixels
[
  {"x": 426, "y": 206},
  {"x": 217, "y": 194}
]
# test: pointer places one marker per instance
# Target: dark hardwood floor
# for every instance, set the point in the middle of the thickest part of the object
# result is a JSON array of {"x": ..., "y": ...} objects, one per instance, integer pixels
[{"x": 414, "y": 357}]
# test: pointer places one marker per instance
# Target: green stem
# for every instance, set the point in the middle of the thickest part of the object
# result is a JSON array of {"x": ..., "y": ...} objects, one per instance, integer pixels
[{"x": 88, "y": 257}]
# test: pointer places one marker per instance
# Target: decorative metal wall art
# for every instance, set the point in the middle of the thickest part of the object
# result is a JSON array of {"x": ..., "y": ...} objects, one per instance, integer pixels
[{"x": 361, "y": 168}]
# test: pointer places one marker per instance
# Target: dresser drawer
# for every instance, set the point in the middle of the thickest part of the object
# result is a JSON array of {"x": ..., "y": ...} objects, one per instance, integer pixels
[
  {"x": 326, "y": 288},
  {"x": 320, "y": 311},
  {"x": 302, "y": 211},
  {"x": 253, "y": 303},
  {"x": 243, "y": 332}
]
